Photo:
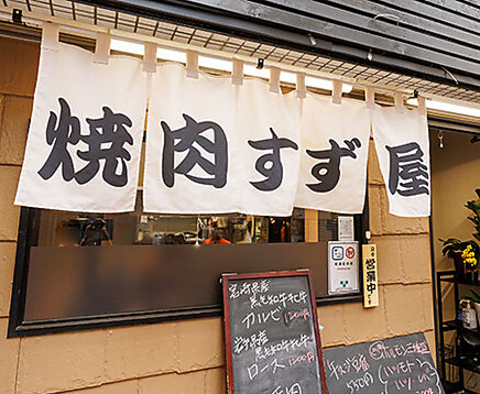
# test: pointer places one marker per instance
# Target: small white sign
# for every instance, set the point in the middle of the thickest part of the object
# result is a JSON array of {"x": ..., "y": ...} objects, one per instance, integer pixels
[
  {"x": 343, "y": 267},
  {"x": 345, "y": 228}
]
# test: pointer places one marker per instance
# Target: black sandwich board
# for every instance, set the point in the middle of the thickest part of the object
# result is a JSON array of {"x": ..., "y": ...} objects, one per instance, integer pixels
[
  {"x": 271, "y": 334},
  {"x": 398, "y": 365}
]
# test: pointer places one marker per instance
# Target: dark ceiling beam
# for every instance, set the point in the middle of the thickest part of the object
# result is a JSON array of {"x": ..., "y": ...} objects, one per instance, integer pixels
[{"x": 250, "y": 20}]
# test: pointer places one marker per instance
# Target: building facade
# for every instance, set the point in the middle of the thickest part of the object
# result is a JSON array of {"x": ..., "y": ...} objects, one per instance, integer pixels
[{"x": 187, "y": 356}]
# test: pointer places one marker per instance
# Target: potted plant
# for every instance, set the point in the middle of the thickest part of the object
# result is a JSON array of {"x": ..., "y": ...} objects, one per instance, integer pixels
[
  {"x": 474, "y": 206},
  {"x": 466, "y": 254}
]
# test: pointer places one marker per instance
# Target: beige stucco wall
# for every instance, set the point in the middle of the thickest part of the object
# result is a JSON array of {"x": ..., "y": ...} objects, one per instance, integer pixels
[
  {"x": 455, "y": 171},
  {"x": 179, "y": 357}
]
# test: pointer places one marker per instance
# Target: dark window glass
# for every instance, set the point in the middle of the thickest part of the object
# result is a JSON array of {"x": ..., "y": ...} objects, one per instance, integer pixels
[{"x": 77, "y": 270}]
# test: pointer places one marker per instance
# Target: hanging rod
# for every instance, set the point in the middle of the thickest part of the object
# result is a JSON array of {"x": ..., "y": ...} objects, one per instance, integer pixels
[{"x": 90, "y": 31}]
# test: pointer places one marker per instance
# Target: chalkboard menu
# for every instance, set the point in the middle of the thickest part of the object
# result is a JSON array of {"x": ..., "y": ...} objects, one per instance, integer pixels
[
  {"x": 272, "y": 339},
  {"x": 395, "y": 365}
]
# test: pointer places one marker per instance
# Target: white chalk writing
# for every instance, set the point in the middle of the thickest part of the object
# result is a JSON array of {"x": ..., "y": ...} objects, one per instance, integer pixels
[
  {"x": 426, "y": 391},
  {"x": 379, "y": 351},
  {"x": 283, "y": 299},
  {"x": 241, "y": 344},
  {"x": 286, "y": 345},
  {"x": 355, "y": 364},
  {"x": 294, "y": 389},
  {"x": 262, "y": 317},
  {"x": 248, "y": 288},
  {"x": 254, "y": 370},
  {"x": 275, "y": 364},
  {"x": 309, "y": 357},
  {"x": 404, "y": 377},
  {"x": 400, "y": 368},
  {"x": 360, "y": 383}
]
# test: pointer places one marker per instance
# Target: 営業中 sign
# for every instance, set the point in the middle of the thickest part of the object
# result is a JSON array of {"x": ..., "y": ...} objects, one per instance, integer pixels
[{"x": 370, "y": 276}]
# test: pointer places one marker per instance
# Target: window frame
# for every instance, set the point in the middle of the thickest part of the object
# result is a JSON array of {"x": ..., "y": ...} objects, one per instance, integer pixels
[{"x": 28, "y": 236}]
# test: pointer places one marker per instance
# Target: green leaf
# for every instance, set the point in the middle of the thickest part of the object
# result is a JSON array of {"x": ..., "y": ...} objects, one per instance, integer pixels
[
  {"x": 450, "y": 241},
  {"x": 474, "y": 207},
  {"x": 473, "y": 220}
]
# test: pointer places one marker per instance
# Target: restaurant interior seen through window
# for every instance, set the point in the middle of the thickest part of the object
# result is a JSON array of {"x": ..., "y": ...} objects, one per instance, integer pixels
[
  {"x": 81, "y": 270},
  {"x": 59, "y": 228}
]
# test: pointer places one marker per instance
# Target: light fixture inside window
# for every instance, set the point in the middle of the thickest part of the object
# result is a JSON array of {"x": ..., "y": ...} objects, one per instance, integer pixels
[
  {"x": 224, "y": 65},
  {"x": 448, "y": 106},
  {"x": 127, "y": 46}
]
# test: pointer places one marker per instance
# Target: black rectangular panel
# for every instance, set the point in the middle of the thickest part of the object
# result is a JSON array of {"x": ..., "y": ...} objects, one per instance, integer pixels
[
  {"x": 78, "y": 282},
  {"x": 397, "y": 365},
  {"x": 271, "y": 334}
]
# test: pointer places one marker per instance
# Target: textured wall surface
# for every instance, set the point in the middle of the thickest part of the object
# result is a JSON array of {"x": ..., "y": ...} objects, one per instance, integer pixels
[
  {"x": 455, "y": 178},
  {"x": 179, "y": 357}
]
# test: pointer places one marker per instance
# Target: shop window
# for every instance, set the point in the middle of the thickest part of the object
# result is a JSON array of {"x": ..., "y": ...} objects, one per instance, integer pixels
[{"x": 77, "y": 270}]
